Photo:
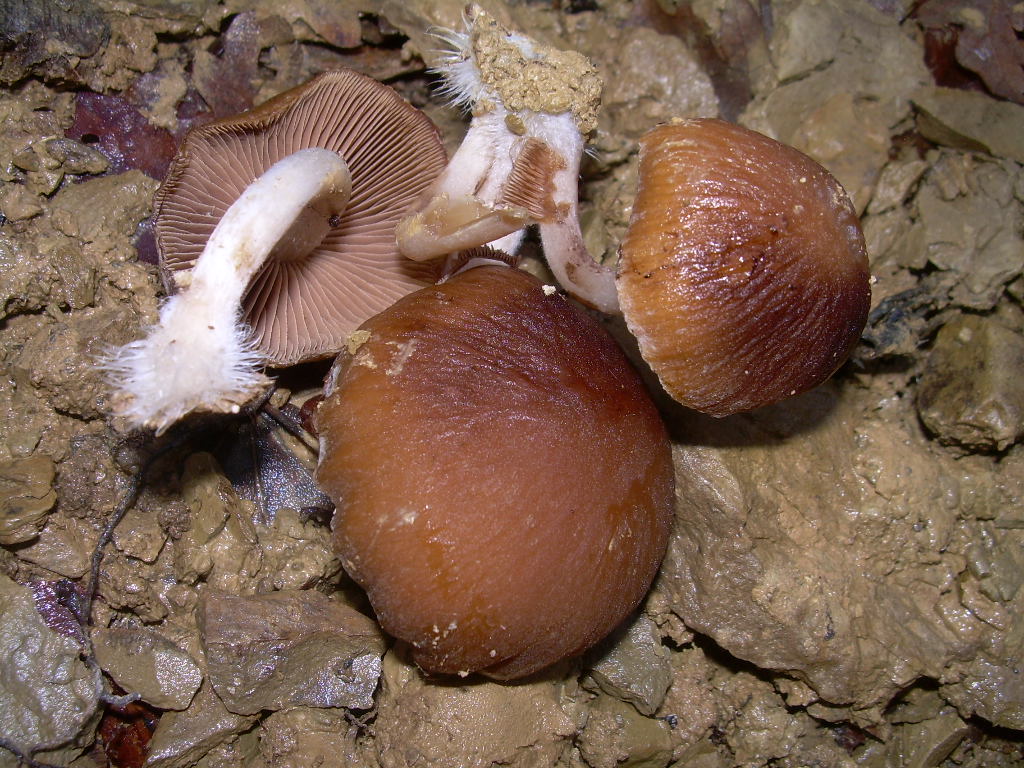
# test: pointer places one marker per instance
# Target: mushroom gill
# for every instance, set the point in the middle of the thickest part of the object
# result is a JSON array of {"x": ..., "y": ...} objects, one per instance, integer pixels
[
  {"x": 308, "y": 296},
  {"x": 276, "y": 238}
]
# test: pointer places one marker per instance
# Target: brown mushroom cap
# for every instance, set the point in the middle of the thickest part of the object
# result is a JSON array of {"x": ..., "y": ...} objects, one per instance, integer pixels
[
  {"x": 504, "y": 484},
  {"x": 303, "y": 305},
  {"x": 744, "y": 274}
]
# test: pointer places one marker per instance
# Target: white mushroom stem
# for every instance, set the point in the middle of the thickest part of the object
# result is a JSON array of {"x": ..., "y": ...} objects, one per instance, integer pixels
[
  {"x": 199, "y": 358},
  {"x": 464, "y": 208},
  {"x": 566, "y": 252},
  {"x": 519, "y": 162}
]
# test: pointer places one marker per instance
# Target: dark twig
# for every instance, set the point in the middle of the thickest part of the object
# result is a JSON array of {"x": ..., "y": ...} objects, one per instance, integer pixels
[
  {"x": 127, "y": 501},
  {"x": 260, "y": 402},
  {"x": 292, "y": 426},
  {"x": 124, "y": 505},
  {"x": 23, "y": 757}
]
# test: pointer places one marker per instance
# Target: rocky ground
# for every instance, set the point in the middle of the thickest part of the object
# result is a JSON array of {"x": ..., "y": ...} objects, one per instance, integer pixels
[{"x": 843, "y": 586}]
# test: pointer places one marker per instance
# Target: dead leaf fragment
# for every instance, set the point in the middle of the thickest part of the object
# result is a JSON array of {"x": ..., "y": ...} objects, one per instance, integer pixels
[{"x": 987, "y": 41}]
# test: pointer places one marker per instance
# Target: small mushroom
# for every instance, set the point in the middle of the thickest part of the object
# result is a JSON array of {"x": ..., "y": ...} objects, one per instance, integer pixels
[
  {"x": 532, "y": 107},
  {"x": 276, "y": 238},
  {"x": 743, "y": 274},
  {"x": 503, "y": 482}
]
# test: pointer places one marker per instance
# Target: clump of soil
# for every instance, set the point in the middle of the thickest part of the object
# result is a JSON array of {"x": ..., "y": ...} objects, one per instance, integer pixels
[{"x": 843, "y": 585}]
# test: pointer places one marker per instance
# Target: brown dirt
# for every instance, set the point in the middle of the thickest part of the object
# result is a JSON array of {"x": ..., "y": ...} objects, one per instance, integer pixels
[{"x": 843, "y": 585}]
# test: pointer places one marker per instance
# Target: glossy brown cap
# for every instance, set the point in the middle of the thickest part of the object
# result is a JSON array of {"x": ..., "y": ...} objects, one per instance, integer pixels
[
  {"x": 743, "y": 275},
  {"x": 504, "y": 485},
  {"x": 303, "y": 305}
]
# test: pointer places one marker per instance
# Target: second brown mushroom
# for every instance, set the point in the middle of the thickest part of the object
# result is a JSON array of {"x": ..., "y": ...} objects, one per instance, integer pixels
[{"x": 743, "y": 274}]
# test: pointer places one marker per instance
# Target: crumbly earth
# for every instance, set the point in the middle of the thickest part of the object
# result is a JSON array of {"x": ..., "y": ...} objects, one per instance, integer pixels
[
  {"x": 545, "y": 79},
  {"x": 844, "y": 581}
]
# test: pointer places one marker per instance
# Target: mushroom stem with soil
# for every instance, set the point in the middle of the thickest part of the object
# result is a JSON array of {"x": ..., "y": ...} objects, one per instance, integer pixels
[
  {"x": 519, "y": 163},
  {"x": 743, "y": 274},
  {"x": 199, "y": 356}
]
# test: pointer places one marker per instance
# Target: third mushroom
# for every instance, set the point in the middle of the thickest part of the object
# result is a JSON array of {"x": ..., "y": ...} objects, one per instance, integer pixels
[{"x": 744, "y": 274}]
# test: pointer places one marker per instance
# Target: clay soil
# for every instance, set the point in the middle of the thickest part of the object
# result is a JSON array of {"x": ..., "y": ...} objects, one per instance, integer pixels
[{"x": 843, "y": 586}]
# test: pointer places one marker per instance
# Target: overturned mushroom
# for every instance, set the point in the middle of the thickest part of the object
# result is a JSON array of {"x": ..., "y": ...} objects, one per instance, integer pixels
[
  {"x": 532, "y": 107},
  {"x": 503, "y": 482},
  {"x": 276, "y": 237}
]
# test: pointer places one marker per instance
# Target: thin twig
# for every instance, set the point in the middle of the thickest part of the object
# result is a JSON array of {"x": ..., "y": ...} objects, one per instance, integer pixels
[
  {"x": 124, "y": 505},
  {"x": 291, "y": 426},
  {"x": 260, "y": 402},
  {"x": 23, "y": 757},
  {"x": 127, "y": 501}
]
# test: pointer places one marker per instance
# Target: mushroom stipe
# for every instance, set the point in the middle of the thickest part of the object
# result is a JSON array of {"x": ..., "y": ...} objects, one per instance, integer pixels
[{"x": 199, "y": 356}]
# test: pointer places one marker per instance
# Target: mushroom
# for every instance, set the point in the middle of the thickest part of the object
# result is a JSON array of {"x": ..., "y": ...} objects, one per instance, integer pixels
[
  {"x": 503, "y": 482},
  {"x": 276, "y": 238},
  {"x": 532, "y": 106},
  {"x": 743, "y": 274}
]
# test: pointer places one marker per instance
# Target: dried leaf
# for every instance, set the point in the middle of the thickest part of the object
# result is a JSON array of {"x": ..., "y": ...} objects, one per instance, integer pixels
[
  {"x": 987, "y": 34},
  {"x": 115, "y": 127},
  {"x": 124, "y": 734}
]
